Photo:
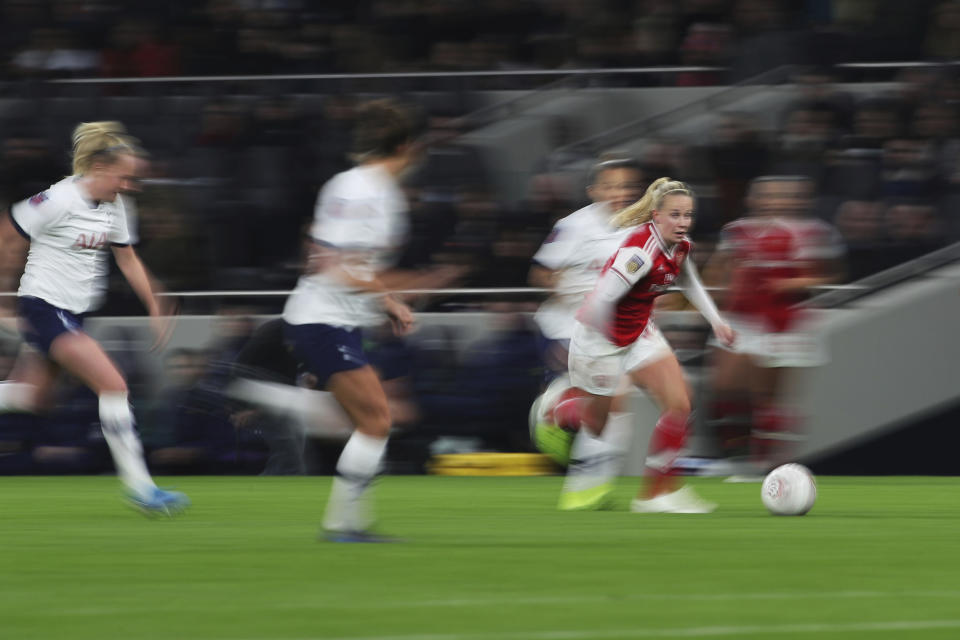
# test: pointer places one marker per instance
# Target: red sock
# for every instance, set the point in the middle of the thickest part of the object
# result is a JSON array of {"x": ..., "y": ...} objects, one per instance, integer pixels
[
  {"x": 771, "y": 438},
  {"x": 574, "y": 412},
  {"x": 731, "y": 418},
  {"x": 667, "y": 440}
]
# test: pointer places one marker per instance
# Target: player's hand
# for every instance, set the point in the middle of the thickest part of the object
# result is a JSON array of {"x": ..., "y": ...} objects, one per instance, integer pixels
[
  {"x": 725, "y": 333},
  {"x": 401, "y": 317}
]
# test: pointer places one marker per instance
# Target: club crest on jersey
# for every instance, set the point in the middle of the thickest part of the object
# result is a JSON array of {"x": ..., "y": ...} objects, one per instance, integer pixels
[
  {"x": 38, "y": 199},
  {"x": 90, "y": 241},
  {"x": 634, "y": 264}
]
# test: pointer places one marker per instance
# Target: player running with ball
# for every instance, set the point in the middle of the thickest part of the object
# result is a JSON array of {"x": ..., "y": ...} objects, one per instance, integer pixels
[{"x": 615, "y": 335}]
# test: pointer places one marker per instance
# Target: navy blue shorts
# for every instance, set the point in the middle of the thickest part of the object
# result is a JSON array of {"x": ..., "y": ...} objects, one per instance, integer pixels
[
  {"x": 325, "y": 350},
  {"x": 41, "y": 323},
  {"x": 553, "y": 356}
]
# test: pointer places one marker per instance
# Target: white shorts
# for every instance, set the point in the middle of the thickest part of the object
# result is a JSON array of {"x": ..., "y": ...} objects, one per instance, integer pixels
[
  {"x": 596, "y": 365},
  {"x": 797, "y": 348}
]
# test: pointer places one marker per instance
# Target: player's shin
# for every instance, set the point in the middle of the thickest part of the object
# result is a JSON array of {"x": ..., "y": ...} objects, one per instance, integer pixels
[
  {"x": 116, "y": 420},
  {"x": 669, "y": 437},
  {"x": 595, "y": 461},
  {"x": 348, "y": 508}
]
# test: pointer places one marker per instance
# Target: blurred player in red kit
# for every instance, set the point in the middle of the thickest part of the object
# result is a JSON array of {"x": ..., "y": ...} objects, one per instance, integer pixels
[{"x": 770, "y": 260}]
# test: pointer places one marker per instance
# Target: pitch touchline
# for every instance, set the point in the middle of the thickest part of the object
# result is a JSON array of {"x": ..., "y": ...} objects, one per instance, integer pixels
[
  {"x": 681, "y": 632},
  {"x": 326, "y": 603}
]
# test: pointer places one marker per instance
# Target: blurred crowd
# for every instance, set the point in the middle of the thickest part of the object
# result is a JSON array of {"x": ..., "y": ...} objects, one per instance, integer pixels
[
  {"x": 186, "y": 37},
  {"x": 233, "y": 179},
  {"x": 449, "y": 390}
]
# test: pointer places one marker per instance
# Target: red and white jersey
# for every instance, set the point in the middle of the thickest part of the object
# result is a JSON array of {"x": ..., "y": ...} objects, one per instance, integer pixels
[
  {"x": 651, "y": 267},
  {"x": 767, "y": 250}
]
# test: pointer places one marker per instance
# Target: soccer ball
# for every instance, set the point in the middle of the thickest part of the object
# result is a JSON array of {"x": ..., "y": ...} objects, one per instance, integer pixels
[{"x": 789, "y": 490}]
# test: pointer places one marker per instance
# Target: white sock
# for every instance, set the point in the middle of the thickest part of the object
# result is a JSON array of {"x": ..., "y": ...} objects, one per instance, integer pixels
[
  {"x": 593, "y": 462},
  {"x": 16, "y": 397},
  {"x": 618, "y": 433},
  {"x": 348, "y": 508},
  {"x": 116, "y": 421}
]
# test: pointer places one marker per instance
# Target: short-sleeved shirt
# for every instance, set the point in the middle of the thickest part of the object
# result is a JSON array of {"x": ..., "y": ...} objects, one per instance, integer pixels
[
  {"x": 650, "y": 267},
  {"x": 577, "y": 247},
  {"x": 69, "y": 235},
  {"x": 361, "y": 214},
  {"x": 767, "y": 250}
]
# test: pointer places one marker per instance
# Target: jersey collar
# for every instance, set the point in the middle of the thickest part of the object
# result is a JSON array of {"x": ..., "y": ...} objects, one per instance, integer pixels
[
  {"x": 667, "y": 251},
  {"x": 84, "y": 194}
]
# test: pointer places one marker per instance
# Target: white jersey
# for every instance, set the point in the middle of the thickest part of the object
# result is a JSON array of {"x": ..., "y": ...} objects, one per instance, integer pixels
[
  {"x": 69, "y": 234},
  {"x": 362, "y": 215},
  {"x": 578, "y": 247}
]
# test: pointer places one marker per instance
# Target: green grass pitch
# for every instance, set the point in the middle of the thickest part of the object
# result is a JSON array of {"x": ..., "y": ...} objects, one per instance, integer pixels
[{"x": 482, "y": 558}]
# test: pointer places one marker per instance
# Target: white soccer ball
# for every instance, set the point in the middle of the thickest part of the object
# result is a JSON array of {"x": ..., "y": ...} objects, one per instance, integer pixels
[{"x": 789, "y": 490}]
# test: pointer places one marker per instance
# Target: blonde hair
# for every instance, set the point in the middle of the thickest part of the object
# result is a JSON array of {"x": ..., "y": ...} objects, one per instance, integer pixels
[
  {"x": 642, "y": 210},
  {"x": 100, "y": 140}
]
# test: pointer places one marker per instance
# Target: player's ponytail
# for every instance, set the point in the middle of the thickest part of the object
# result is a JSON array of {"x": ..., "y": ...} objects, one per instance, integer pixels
[
  {"x": 642, "y": 210},
  {"x": 104, "y": 141}
]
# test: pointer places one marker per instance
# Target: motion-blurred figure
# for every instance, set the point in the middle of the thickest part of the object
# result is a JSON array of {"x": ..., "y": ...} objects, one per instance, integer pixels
[{"x": 770, "y": 261}]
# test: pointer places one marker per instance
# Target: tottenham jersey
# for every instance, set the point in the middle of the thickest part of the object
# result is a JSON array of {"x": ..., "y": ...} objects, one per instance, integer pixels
[
  {"x": 361, "y": 215},
  {"x": 69, "y": 234},
  {"x": 651, "y": 267},
  {"x": 577, "y": 248}
]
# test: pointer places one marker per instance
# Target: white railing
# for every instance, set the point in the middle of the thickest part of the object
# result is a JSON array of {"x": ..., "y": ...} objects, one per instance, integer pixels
[{"x": 492, "y": 73}]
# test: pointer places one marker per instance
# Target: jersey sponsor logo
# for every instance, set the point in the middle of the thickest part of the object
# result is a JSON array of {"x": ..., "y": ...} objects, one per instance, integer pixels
[
  {"x": 90, "y": 241},
  {"x": 39, "y": 199},
  {"x": 634, "y": 264},
  {"x": 667, "y": 282}
]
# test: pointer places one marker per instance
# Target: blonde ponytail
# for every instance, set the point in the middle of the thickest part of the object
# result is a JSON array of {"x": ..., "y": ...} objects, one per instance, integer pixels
[
  {"x": 641, "y": 210},
  {"x": 100, "y": 139}
]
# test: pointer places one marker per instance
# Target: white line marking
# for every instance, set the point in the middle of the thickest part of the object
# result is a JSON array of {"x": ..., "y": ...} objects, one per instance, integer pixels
[
  {"x": 499, "y": 601},
  {"x": 812, "y": 628}
]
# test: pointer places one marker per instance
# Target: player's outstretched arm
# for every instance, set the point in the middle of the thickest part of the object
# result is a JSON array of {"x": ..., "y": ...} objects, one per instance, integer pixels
[
  {"x": 146, "y": 288},
  {"x": 698, "y": 297}
]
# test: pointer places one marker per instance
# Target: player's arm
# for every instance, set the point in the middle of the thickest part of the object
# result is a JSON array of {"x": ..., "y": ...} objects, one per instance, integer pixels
[
  {"x": 552, "y": 257},
  {"x": 627, "y": 267},
  {"x": 822, "y": 254},
  {"x": 11, "y": 239},
  {"x": 541, "y": 276},
  {"x": 146, "y": 288},
  {"x": 695, "y": 292},
  {"x": 718, "y": 272}
]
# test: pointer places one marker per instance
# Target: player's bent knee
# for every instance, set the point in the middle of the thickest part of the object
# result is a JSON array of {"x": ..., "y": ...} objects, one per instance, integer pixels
[{"x": 374, "y": 420}]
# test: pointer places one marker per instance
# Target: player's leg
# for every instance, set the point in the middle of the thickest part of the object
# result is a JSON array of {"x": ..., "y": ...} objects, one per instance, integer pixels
[
  {"x": 663, "y": 378},
  {"x": 30, "y": 382},
  {"x": 596, "y": 369},
  {"x": 773, "y": 434},
  {"x": 729, "y": 409},
  {"x": 81, "y": 356},
  {"x": 361, "y": 395}
]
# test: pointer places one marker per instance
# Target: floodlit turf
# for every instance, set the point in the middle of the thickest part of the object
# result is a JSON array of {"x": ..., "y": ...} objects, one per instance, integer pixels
[{"x": 483, "y": 558}]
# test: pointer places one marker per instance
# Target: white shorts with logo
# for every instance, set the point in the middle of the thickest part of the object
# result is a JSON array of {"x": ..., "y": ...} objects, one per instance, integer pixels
[
  {"x": 597, "y": 365},
  {"x": 800, "y": 347}
]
